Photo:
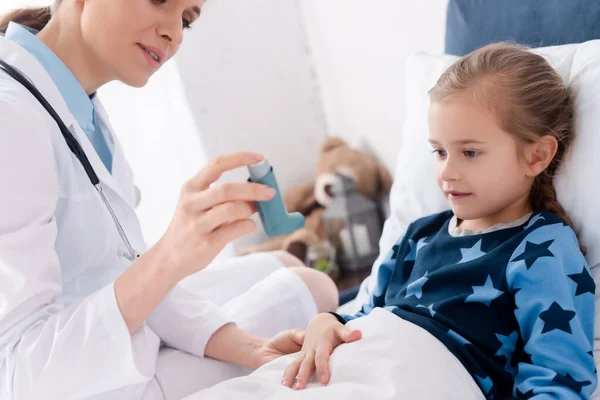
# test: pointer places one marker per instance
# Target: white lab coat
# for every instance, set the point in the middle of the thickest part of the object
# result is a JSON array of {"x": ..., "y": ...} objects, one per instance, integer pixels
[{"x": 62, "y": 335}]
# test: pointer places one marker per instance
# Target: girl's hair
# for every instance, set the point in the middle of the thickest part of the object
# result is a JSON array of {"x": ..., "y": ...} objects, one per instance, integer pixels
[
  {"x": 529, "y": 99},
  {"x": 33, "y": 17}
]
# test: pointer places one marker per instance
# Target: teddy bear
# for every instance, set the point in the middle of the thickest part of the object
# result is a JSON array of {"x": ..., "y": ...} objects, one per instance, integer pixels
[{"x": 337, "y": 157}]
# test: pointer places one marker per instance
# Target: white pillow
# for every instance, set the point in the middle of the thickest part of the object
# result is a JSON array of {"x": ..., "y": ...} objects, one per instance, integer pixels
[{"x": 415, "y": 194}]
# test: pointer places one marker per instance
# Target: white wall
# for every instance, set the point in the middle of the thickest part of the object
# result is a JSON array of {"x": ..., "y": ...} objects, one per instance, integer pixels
[
  {"x": 359, "y": 49},
  {"x": 249, "y": 81}
]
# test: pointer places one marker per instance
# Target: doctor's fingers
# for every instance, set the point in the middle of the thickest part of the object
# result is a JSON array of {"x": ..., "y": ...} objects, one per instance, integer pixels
[
  {"x": 227, "y": 233},
  {"x": 229, "y": 192},
  {"x": 217, "y": 166},
  {"x": 224, "y": 214}
]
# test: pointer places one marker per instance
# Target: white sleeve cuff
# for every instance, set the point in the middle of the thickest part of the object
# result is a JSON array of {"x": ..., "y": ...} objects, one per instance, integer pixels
[
  {"x": 202, "y": 338},
  {"x": 139, "y": 351},
  {"x": 184, "y": 320}
]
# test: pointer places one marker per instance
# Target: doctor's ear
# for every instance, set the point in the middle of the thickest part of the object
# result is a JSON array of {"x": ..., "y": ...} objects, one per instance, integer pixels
[{"x": 539, "y": 155}]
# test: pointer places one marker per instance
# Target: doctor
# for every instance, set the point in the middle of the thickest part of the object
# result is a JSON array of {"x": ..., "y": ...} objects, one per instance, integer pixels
[{"x": 85, "y": 313}]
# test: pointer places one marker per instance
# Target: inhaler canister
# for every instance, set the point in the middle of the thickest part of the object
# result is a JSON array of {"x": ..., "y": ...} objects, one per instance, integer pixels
[{"x": 273, "y": 214}]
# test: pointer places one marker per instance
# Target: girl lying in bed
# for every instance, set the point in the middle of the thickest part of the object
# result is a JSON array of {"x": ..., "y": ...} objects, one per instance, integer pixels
[{"x": 501, "y": 279}]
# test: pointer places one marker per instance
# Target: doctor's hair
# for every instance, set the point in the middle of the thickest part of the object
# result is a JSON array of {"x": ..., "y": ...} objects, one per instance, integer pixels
[
  {"x": 529, "y": 99},
  {"x": 33, "y": 17}
]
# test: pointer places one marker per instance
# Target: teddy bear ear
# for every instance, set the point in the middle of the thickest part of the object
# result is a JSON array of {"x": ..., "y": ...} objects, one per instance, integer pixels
[
  {"x": 384, "y": 183},
  {"x": 332, "y": 142}
]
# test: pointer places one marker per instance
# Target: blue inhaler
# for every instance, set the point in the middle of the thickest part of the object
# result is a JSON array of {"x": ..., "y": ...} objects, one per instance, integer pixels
[{"x": 273, "y": 214}]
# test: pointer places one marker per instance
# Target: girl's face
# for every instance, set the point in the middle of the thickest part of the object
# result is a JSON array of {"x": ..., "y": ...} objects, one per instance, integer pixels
[
  {"x": 132, "y": 39},
  {"x": 479, "y": 167}
]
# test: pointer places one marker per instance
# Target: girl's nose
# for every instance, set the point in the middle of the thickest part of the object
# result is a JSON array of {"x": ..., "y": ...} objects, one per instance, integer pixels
[{"x": 449, "y": 171}]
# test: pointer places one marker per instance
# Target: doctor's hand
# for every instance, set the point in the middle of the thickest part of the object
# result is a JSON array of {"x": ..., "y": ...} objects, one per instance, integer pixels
[
  {"x": 323, "y": 334},
  {"x": 208, "y": 217},
  {"x": 283, "y": 343}
]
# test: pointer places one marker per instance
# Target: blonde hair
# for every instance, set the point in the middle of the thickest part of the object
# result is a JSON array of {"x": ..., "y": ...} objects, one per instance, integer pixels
[
  {"x": 529, "y": 99},
  {"x": 33, "y": 17}
]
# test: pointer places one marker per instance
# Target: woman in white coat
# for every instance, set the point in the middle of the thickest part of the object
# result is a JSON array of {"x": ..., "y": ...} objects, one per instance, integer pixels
[{"x": 78, "y": 319}]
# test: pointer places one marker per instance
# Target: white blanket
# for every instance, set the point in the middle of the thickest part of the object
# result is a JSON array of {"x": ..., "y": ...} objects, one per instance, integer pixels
[{"x": 394, "y": 360}]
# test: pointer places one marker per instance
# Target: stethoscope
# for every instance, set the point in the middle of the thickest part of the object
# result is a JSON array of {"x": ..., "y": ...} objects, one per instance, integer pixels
[{"x": 75, "y": 147}]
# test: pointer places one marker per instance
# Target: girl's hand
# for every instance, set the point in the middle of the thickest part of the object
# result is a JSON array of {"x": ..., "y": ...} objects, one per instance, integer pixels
[
  {"x": 323, "y": 334},
  {"x": 208, "y": 218}
]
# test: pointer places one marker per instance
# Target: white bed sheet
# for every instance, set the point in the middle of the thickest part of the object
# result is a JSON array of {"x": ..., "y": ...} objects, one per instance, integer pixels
[{"x": 394, "y": 360}]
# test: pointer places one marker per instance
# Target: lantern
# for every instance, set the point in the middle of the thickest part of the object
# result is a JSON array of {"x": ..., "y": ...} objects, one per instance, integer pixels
[{"x": 353, "y": 224}]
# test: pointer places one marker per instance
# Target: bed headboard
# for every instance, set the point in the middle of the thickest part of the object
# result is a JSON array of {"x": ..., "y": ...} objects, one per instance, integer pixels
[{"x": 475, "y": 23}]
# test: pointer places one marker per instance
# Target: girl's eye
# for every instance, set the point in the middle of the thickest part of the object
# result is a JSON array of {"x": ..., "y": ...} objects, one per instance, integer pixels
[
  {"x": 440, "y": 153},
  {"x": 470, "y": 153}
]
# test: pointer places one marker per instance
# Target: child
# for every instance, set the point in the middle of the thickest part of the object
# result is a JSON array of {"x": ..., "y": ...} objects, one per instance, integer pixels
[{"x": 500, "y": 279}]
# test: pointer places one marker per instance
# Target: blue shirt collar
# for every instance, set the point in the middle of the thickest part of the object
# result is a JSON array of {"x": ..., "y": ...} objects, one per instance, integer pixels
[{"x": 77, "y": 100}]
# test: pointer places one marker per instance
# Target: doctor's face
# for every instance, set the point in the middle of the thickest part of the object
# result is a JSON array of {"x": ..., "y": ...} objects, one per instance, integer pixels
[{"x": 134, "y": 38}]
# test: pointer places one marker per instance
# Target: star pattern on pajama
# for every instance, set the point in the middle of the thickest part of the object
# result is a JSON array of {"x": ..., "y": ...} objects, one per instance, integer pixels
[
  {"x": 584, "y": 281},
  {"x": 414, "y": 248},
  {"x": 472, "y": 253},
  {"x": 416, "y": 287},
  {"x": 430, "y": 308},
  {"x": 485, "y": 383},
  {"x": 555, "y": 317},
  {"x": 509, "y": 343},
  {"x": 534, "y": 251},
  {"x": 484, "y": 294},
  {"x": 533, "y": 220},
  {"x": 525, "y": 357},
  {"x": 395, "y": 249},
  {"x": 525, "y": 395},
  {"x": 514, "y": 294},
  {"x": 569, "y": 381}
]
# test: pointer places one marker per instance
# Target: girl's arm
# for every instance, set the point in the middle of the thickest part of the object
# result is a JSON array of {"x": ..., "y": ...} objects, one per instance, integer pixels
[{"x": 554, "y": 296}]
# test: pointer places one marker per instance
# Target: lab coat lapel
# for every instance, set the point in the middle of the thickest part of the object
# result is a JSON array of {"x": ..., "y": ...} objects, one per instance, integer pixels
[{"x": 20, "y": 59}]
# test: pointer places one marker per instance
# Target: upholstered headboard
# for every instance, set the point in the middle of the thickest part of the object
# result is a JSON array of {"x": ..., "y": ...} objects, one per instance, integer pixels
[{"x": 475, "y": 23}]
